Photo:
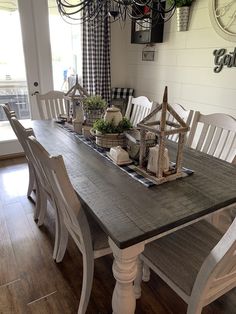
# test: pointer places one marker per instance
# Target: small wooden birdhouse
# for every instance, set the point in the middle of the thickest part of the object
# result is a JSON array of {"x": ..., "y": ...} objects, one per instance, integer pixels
[{"x": 158, "y": 123}]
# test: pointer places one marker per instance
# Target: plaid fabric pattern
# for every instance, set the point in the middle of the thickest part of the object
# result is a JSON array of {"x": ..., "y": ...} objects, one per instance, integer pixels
[
  {"x": 96, "y": 53},
  {"x": 130, "y": 170},
  {"x": 119, "y": 92}
]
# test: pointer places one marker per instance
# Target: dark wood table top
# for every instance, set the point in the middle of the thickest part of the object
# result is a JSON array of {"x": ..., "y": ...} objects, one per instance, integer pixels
[{"x": 128, "y": 211}]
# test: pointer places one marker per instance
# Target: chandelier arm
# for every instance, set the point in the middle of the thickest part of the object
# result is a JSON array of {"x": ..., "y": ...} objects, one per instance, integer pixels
[
  {"x": 63, "y": 11},
  {"x": 67, "y": 4},
  {"x": 137, "y": 17},
  {"x": 122, "y": 12},
  {"x": 74, "y": 12},
  {"x": 71, "y": 20},
  {"x": 142, "y": 4},
  {"x": 160, "y": 8},
  {"x": 63, "y": 8},
  {"x": 152, "y": 11}
]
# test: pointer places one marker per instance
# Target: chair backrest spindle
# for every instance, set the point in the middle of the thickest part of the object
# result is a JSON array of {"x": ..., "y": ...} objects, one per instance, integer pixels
[
  {"x": 52, "y": 104},
  {"x": 214, "y": 134},
  {"x": 138, "y": 108}
]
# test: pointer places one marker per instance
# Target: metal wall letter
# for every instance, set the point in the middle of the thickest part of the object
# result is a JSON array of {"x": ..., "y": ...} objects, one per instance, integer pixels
[{"x": 224, "y": 59}]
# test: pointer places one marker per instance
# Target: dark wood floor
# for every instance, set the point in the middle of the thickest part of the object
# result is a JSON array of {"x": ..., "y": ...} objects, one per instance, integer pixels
[{"x": 31, "y": 282}]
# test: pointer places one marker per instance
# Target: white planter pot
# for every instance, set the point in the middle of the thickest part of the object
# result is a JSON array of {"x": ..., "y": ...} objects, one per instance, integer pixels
[{"x": 182, "y": 18}]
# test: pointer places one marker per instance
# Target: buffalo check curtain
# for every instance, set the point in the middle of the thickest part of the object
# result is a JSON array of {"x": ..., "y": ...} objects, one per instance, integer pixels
[{"x": 96, "y": 55}]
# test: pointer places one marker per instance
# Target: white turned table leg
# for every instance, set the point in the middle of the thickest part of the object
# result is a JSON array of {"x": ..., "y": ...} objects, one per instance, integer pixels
[
  {"x": 146, "y": 273},
  {"x": 138, "y": 279},
  {"x": 124, "y": 271}
]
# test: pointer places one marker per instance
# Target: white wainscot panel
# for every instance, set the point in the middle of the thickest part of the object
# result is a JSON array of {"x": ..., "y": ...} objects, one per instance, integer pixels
[
  {"x": 132, "y": 75},
  {"x": 206, "y": 108},
  {"x": 176, "y": 40},
  {"x": 200, "y": 4},
  {"x": 206, "y": 76},
  {"x": 171, "y": 74},
  {"x": 170, "y": 26},
  {"x": 205, "y": 38},
  {"x": 166, "y": 57},
  {"x": 195, "y": 57},
  {"x": 200, "y": 20},
  {"x": 155, "y": 91},
  {"x": 134, "y": 56},
  {"x": 219, "y": 97}
]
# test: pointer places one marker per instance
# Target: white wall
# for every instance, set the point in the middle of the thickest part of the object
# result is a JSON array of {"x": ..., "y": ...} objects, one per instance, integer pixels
[
  {"x": 120, "y": 37},
  {"x": 184, "y": 62}
]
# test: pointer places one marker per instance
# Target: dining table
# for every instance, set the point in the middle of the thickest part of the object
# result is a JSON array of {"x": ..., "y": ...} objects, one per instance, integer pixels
[{"x": 130, "y": 213}]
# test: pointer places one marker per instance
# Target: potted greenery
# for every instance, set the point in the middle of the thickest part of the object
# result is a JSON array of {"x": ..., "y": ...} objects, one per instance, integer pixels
[
  {"x": 94, "y": 107},
  {"x": 182, "y": 13},
  {"x": 108, "y": 134}
]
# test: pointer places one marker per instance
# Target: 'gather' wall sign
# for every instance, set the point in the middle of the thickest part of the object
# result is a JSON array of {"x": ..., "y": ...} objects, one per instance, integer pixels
[{"x": 222, "y": 58}]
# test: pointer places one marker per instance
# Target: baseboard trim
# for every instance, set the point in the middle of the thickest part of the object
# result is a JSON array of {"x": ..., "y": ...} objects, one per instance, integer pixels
[{"x": 11, "y": 156}]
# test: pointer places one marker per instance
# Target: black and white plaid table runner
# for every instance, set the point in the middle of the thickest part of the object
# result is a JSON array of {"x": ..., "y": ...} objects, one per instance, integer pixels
[{"x": 131, "y": 170}]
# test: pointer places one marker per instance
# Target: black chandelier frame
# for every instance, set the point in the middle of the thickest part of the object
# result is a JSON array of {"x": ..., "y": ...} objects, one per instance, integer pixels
[{"x": 147, "y": 13}]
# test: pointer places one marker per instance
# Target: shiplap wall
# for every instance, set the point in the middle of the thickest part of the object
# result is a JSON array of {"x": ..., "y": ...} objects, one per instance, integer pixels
[{"x": 184, "y": 62}]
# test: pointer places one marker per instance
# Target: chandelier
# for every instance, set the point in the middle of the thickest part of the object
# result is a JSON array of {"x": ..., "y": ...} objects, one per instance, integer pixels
[{"x": 145, "y": 12}]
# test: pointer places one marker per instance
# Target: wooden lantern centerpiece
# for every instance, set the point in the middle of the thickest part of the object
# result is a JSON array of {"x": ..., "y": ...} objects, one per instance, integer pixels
[
  {"x": 162, "y": 128},
  {"x": 76, "y": 95},
  {"x": 75, "y": 111}
]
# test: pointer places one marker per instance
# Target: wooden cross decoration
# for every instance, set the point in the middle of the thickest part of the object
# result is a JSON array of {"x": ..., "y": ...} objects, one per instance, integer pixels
[{"x": 162, "y": 128}]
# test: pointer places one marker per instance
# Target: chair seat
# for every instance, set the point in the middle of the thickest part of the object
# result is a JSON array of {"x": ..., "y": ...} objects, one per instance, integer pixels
[
  {"x": 99, "y": 238},
  {"x": 179, "y": 256}
]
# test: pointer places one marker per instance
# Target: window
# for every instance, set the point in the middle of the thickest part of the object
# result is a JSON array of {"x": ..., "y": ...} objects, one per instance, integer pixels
[
  {"x": 66, "y": 50},
  {"x": 13, "y": 86}
]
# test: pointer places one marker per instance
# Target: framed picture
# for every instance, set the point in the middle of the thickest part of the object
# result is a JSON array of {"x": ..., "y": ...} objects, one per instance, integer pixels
[{"x": 148, "y": 55}]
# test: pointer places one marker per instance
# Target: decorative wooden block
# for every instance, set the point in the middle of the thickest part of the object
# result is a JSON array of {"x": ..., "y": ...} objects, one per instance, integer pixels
[
  {"x": 77, "y": 126},
  {"x": 86, "y": 131}
]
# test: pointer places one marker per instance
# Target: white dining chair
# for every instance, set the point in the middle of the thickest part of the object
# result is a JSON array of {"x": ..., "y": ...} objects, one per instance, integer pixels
[
  {"x": 52, "y": 105},
  {"x": 234, "y": 160},
  {"x": 185, "y": 115},
  {"x": 214, "y": 134},
  {"x": 138, "y": 108},
  {"x": 197, "y": 262},
  {"x": 32, "y": 184},
  {"x": 88, "y": 236},
  {"x": 44, "y": 192}
]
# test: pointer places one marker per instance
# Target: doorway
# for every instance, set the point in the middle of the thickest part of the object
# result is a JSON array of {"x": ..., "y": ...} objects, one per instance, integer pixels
[{"x": 33, "y": 59}]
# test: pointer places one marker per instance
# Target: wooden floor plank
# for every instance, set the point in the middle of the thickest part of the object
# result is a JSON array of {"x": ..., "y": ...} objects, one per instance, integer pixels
[
  {"x": 11, "y": 300},
  {"x": 37, "y": 275},
  {"x": 8, "y": 263},
  {"x": 32, "y": 283},
  {"x": 52, "y": 303}
]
